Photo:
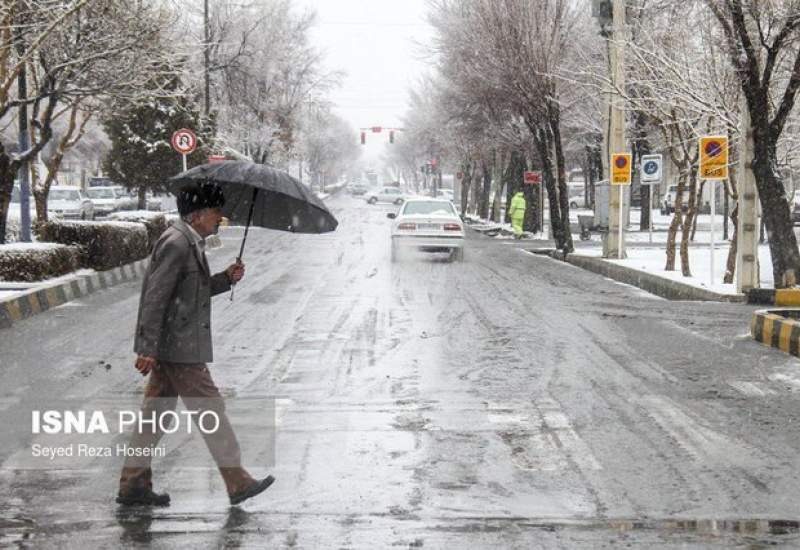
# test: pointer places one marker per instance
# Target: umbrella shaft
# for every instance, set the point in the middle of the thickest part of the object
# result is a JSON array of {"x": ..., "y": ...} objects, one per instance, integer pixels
[{"x": 249, "y": 219}]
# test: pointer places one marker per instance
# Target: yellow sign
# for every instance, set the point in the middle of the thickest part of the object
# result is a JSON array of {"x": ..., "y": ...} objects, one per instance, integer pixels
[
  {"x": 621, "y": 169},
  {"x": 714, "y": 157}
]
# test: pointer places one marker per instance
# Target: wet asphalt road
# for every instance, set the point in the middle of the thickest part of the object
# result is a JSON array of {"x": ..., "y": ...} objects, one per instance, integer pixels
[{"x": 510, "y": 401}]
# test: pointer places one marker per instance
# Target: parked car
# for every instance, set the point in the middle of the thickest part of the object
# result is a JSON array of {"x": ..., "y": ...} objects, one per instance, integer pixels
[
  {"x": 427, "y": 225},
  {"x": 124, "y": 199},
  {"x": 577, "y": 198},
  {"x": 104, "y": 200},
  {"x": 391, "y": 195},
  {"x": 153, "y": 201},
  {"x": 357, "y": 189},
  {"x": 100, "y": 181},
  {"x": 796, "y": 207},
  {"x": 69, "y": 202},
  {"x": 14, "y": 209}
]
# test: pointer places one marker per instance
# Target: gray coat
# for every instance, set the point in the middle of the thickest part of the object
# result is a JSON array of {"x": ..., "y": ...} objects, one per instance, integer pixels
[{"x": 174, "y": 321}]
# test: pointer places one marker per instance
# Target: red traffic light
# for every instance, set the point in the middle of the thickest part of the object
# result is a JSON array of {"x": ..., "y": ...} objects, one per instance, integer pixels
[
  {"x": 363, "y": 138},
  {"x": 391, "y": 136},
  {"x": 376, "y": 129}
]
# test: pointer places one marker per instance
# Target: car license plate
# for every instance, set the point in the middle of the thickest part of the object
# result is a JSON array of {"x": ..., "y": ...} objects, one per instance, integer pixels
[{"x": 429, "y": 226}]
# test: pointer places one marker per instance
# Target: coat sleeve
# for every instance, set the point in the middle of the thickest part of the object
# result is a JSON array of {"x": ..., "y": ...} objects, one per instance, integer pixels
[
  {"x": 220, "y": 283},
  {"x": 157, "y": 293}
]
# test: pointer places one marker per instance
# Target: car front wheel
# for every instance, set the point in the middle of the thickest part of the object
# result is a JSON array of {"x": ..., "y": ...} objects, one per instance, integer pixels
[
  {"x": 398, "y": 202},
  {"x": 372, "y": 200}
]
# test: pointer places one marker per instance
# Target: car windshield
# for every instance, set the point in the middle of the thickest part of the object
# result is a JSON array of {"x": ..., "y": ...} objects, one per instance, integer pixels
[
  {"x": 100, "y": 193},
  {"x": 428, "y": 208},
  {"x": 120, "y": 192},
  {"x": 391, "y": 191},
  {"x": 63, "y": 195}
]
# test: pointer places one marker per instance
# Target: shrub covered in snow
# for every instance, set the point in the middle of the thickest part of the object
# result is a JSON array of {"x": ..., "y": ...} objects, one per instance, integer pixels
[
  {"x": 155, "y": 222},
  {"x": 31, "y": 262},
  {"x": 107, "y": 244}
]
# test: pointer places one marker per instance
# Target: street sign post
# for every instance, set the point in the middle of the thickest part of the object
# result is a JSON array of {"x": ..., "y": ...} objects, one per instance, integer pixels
[
  {"x": 651, "y": 174},
  {"x": 184, "y": 141},
  {"x": 713, "y": 168},
  {"x": 620, "y": 175},
  {"x": 532, "y": 178}
]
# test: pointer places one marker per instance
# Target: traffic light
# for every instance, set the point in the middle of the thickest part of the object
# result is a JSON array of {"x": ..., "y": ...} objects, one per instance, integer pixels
[
  {"x": 391, "y": 136},
  {"x": 363, "y": 138}
]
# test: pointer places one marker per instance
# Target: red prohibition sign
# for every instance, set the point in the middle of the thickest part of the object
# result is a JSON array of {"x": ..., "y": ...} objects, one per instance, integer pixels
[
  {"x": 713, "y": 149},
  {"x": 621, "y": 162},
  {"x": 184, "y": 141}
]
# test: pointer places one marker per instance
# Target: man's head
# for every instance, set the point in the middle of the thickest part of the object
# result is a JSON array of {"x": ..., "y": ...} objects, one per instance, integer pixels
[{"x": 200, "y": 206}]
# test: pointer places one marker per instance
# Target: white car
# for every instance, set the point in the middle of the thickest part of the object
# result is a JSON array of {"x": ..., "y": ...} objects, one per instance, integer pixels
[
  {"x": 104, "y": 200},
  {"x": 392, "y": 195},
  {"x": 69, "y": 202},
  {"x": 124, "y": 199},
  {"x": 428, "y": 225}
]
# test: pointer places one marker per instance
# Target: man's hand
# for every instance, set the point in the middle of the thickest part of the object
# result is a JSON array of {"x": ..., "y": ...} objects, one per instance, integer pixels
[
  {"x": 145, "y": 364},
  {"x": 235, "y": 272}
]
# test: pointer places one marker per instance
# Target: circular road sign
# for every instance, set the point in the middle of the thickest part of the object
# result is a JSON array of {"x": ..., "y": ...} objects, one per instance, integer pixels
[
  {"x": 650, "y": 167},
  {"x": 713, "y": 148},
  {"x": 184, "y": 141},
  {"x": 621, "y": 162}
]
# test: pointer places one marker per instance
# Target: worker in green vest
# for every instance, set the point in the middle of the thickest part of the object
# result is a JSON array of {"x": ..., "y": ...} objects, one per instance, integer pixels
[{"x": 517, "y": 213}]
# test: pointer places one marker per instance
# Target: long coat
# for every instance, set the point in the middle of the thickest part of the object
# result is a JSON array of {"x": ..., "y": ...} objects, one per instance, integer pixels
[{"x": 174, "y": 322}]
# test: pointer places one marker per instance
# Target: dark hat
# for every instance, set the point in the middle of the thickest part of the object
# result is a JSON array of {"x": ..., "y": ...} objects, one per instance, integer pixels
[{"x": 200, "y": 196}]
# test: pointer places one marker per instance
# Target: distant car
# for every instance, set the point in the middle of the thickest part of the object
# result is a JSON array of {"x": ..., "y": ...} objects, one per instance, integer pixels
[
  {"x": 445, "y": 194},
  {"x": 124, "y": 199},
  {"x": 100, "y": 181},
  {"x": 577, "y": 199},
  {"x": 428, "y": 225},
  {"x": 668, "y": 202},
  {"x": 14, "y": 209},
  {"x": 391, "y": 195},
  {"x": 69, "y": 202},
  {"x": 153, "y": 201},
  {"x": 104, "y": 200},
  {"x": 357, "y": 189}
]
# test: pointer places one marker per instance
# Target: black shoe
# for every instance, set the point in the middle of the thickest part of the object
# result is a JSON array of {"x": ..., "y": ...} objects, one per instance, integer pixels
[
  {"x": 253, "y": 490},
  {"x": 143, "y": 497}
]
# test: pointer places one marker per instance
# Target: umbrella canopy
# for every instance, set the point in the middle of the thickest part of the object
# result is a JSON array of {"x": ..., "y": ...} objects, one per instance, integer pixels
[{"x": 261, "y": 195}]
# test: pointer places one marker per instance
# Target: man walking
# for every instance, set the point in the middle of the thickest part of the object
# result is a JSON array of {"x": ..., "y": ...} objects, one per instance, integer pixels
[
  {"x": 173, "y": 343},
  {"x": 517, "y": 213}
]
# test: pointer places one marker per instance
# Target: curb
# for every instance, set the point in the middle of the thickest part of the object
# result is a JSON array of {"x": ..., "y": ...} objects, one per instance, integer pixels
[
  {"x": 47, "y": 296},
  {"x": 778, "y": 329},
  {"x": 665, "y": 288},
  {"x": 771, "y": 297}
]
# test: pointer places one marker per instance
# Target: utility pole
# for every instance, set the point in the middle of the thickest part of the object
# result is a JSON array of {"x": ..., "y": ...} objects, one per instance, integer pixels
[
  {"x": 24, "y": 145},
  {"x": 614, "y": 244},
  {"x": 749, "y": 222},
  {"x": 207, "y": 58}
]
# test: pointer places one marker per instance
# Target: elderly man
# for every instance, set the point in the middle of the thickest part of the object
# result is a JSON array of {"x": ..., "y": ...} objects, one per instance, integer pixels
[{"x": 173, "y": 343}]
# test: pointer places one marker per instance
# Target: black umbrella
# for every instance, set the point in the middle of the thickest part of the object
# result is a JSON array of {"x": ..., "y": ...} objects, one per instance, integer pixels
[{"x": 262, "y": 196}]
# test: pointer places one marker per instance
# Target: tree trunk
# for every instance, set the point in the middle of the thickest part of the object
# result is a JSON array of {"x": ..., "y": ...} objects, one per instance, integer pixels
[
  {"x": 730, "y": 268},
  {"x": 677, "y": 220},
  {"x": 485, "y": 190},
  {"x": 699, "y": 208},
  {"x": 563, "y": 192},
  {"x": 497, "y": 180},
  {"x": 8, "y": 171},
  {"x": 776, "y": 214},
  {"x": 142, "y": 198},
  {"x": 543, "y": 143},
  {"x": 466, "y": 178},
  {"x": 687, "y": 223}
]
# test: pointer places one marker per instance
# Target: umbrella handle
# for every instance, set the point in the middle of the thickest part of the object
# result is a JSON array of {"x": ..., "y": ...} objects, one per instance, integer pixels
[{"x": 246, "y": 231}]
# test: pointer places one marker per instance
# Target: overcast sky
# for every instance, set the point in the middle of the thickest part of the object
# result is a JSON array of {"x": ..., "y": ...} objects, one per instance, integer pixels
[{"x": 376, "y": 44}]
